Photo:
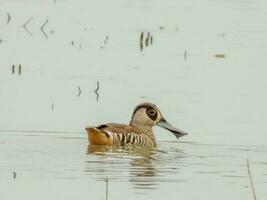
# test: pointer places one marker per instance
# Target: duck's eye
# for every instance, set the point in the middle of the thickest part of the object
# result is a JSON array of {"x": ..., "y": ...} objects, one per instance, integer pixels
[{"x": 151, "y": 112}]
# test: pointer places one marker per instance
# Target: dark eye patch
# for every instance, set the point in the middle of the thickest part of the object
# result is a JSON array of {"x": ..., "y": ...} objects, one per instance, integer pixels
[
  {"x": 147, "y": 107},
  {"x": 152, "y": 113}
]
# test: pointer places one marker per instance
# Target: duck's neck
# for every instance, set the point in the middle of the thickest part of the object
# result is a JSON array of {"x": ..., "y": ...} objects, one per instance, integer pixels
[{"x": 145, "y": 129}]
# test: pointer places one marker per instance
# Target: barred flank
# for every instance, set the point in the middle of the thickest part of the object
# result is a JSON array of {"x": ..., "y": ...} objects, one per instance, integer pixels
[{"x": 132, "y": 139}]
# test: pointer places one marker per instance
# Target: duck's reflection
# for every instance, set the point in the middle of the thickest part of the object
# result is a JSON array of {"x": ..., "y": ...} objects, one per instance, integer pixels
[
  {"x": 140, "y": 166},
  {"x": 99, "y": 149}
]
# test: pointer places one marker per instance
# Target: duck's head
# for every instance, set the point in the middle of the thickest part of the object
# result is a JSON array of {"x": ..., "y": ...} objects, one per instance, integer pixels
[{"x": 148, "y": 115}]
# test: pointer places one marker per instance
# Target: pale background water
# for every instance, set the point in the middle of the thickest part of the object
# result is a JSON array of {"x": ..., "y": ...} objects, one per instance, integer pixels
[{"x": 220, "y": 101}]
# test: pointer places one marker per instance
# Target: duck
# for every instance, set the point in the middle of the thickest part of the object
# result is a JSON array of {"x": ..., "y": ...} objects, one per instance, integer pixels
[{"x": 139, "y": 132}]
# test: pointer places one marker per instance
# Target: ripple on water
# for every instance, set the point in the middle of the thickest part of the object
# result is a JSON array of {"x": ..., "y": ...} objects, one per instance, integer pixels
[
  {"x": 144, "y": 168},
  {"x": 171, "y": 164}
]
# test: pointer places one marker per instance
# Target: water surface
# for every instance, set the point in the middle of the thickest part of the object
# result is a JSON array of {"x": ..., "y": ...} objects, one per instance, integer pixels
[{"x": 64, "y": 166}]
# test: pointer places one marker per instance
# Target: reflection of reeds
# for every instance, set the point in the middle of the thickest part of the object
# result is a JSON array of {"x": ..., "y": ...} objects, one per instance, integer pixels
[
  {"x": 106, "y": 189},
  {"x": 79, "y": 91},
  {"x": 141, "y": 37},
  {"x": 14, "y": 175},
  {"x": 8, "y": 18},
  {"x": 106, "y": 40},
  {"x": 24, "y": 26},
  {"x": 13, "y": 69},
  {"x": 220, "y": 55},
  {"x": 147, "y": 41},
  {"x": 42, "y": 28},
  {"x": 251, "y": 181},
  {"x": 185, "y": 55},
  {"x": 19, "y": 69},
  {"x": 141, "y": 46},
  {"x": 141, "y": 41},
  {"x": 96, "y": 90}
]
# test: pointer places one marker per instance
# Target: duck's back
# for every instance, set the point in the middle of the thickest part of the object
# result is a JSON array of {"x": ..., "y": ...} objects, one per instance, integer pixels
[{"x": 118, "y": 134}]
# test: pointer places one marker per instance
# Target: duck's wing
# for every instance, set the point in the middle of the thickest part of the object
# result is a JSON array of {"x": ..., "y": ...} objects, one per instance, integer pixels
[{"x": 115, "y": 134}]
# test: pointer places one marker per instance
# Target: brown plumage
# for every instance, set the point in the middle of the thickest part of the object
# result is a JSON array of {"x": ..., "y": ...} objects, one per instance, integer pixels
[{"x": 139, "y": 132}]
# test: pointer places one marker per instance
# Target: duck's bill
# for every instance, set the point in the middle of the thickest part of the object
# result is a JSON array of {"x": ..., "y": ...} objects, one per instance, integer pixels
[{"x": 177, "y": 132}]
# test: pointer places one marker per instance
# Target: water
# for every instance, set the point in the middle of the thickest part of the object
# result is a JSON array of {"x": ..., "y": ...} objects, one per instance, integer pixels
[
  {"x": 60, "y": 166},
  {"x": 205, "y": 69}
]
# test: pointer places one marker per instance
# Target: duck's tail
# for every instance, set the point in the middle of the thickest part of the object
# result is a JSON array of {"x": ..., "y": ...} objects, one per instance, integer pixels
[{"x": 98, "y": 137}]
